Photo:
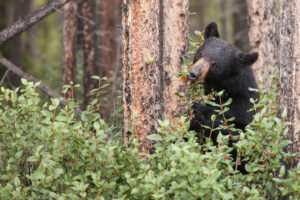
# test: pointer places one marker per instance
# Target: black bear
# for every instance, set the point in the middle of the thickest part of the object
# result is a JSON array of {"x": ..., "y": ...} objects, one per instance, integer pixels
[{"x": 220, "y": 66}]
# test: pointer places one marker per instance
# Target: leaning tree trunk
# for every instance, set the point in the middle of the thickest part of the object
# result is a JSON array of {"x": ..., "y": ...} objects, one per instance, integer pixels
[
  {"x": 69, "y": 45},
  {"x": 263, "y": 36},
  {"x": 175, "y": 45},
  {"x": 141, "y": 75},
  {"x": 240, "y": 28},
  {"x": 89, "y": 41},
  {"x": 290, "y": 72}
]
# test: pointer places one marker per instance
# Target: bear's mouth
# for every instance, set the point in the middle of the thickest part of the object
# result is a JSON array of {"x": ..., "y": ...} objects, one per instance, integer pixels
[{"x": 199, "y": 71}]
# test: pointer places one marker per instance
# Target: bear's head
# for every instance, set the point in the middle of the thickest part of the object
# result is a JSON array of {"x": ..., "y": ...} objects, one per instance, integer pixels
[{"x": 217, "y": 60}]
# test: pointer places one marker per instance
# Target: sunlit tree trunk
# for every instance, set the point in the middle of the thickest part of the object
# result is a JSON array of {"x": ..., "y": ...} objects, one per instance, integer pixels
[
  {"x": 263, "y": 36},
  {"x": 175, "y": 45},
  {"x": 290, "y": 72},
  {"x": 240, "y": 27},
  {"x": 89, "y": 42},
  {"x": 141, "y": 75},
  {"x": 69, "y": 44},
  {"x": 109, "y": 49}
]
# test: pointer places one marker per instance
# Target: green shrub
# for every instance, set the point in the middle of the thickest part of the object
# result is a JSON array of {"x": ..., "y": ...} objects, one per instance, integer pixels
[{"x": 51, "y": 153}]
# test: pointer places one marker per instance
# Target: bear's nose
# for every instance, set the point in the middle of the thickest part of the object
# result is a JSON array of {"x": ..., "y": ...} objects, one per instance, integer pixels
[{"x": 192, "y": 76}]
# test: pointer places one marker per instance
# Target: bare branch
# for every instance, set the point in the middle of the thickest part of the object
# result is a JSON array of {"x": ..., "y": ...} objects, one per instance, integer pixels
[
  {"x": 31, "y": 19},
  {"x": 48, "y": 91}
]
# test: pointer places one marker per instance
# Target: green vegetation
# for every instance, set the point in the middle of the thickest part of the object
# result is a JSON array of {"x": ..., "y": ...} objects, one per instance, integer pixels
[{"x": 49, "y": 152}]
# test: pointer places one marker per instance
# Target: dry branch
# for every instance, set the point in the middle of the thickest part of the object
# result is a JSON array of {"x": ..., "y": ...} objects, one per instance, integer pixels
[
  {"x": 31, "y": 19},
  {"x": 48, "y": 91}
]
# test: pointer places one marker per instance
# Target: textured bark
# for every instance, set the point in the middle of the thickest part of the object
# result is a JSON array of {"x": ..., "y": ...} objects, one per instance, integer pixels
[
  {"x": 89, "y": 42},
  {"x": 175, "y": 45},
  {"x": 263, "y": 36},
  {"x": 69, "y": 45},
  {"x": 141, "y": 75},
  {"x": 240, "y": 28},
  {"x": 290, "y": 71},
  {"x": 23, "y": 24},
  {"x": 44, "y": 88},
  {"x": 109, "y": 49}
]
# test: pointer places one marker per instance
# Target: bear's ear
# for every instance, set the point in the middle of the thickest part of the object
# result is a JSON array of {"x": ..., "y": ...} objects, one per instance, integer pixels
[
  {"x": 211, "y": 30},
  {"x": 248, "y": 58}
]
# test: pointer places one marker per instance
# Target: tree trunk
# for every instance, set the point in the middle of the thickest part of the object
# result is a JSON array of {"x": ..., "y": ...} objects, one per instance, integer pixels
[
  {"x": 109, "y": 49},
  {"x": 263, "y": 36},
  {"x": 289, "y": 97},
  {"x": 240, "y": 28},
  {"x": 30, "y": 40},
  {"x": 223, "y": 19},
  {"x": 69, "y": 45},
  {"x": 141, "y": 75},
  {"x": 89, "y": 42},
  {"x": 175, "y": 45}
]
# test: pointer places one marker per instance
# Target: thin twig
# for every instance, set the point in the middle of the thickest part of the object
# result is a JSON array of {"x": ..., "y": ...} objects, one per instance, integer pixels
[{"x": 4, "y": 76}]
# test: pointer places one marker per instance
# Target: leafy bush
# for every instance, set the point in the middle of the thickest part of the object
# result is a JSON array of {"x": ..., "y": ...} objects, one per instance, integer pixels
[{"x": 51, "y": 153}]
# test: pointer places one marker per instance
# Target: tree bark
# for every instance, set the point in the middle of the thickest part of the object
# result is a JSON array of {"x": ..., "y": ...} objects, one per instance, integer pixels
[
  {"x": 23, "y": 24},
  {"x": 289, "y": 97},
  {"x": 263, "y": 36},
  {"x": 109, "y": 49},
  {"x": 141, "y": 74},
  {"x": 175, "y": 45},
  {"x": 240, "y": 28},
  {"x": 89, "y": 42},
  {"x": 69, "y": 37}
]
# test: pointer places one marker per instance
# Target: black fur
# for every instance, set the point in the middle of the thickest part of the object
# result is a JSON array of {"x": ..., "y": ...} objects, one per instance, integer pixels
[{"x": 231, "y": 72}]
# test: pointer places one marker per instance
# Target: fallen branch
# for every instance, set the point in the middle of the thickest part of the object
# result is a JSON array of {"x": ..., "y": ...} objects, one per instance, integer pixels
[
  {"x": 48, "y": 91},
  {"x": 31, "y": 19}
]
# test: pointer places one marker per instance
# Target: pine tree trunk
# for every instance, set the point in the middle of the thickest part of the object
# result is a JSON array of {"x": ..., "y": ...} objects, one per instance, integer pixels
[
  {"x": 240, "y": 28},
  {"x": 175, "y": 45},
  {"x": 109, "y": 49},
  {"x": 141, "y": 75},
  {"x": 89, "y": 42},
  {"x": 290, "y": 72},
  {"x": 263, "y": 36},
  {"x": 69, "y": 45}
]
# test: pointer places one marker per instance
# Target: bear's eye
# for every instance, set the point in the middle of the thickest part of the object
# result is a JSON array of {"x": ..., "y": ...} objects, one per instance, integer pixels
[{"x": 213, "y": 65}]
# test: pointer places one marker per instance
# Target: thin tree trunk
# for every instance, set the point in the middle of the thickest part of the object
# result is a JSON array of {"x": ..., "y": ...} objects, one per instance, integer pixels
[
  {"x": 69, "y": 45},
  {"x": 31, "y": 38},
  {"x": 109, "y": 48},
  {"x": 89, "y": 42},
  {"x": 240, "y": 28},
  {"x": 141, "y": 74},
  {"x": 175, "y": 45},
  {"x": 290, "y": 72},
  {"x": 263, "y": 36},
  {"x": 223, "y": 19}
]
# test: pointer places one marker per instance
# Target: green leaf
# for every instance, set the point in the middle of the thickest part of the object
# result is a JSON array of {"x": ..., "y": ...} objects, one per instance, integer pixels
[
  {"x": 154, "y": 137},
  {"x": 282, "y": 171},
  {"x": 24, "y": 81}
]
